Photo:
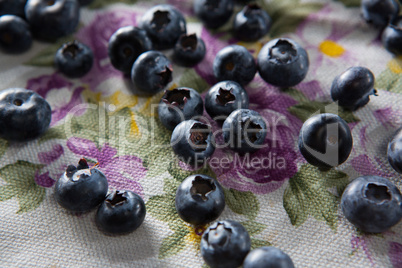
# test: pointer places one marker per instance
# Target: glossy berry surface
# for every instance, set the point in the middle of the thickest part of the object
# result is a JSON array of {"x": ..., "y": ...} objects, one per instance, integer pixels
[
  {"x": 125, "y": 45},
  {"x": 193, "y": 142},
  {"x": 151, "y": 72},
  {"x": 379, "y": 12},
  {"x": 372, "y": 204},
  {"x": 283, "y": 63},
  {"x": 225, "y": 244},
  {"x": 267, "y": 257},
  {"x": 392, "y": 37},
  {"x": 225, "y": 97},
  {"x": 325, "y": 140},
  {"x": 178, "y": 105},
  {"x": 244, "y": 131},
  {"x": 352, "y": 88},
  {"x": 52, "y": 19},
  {"x": 13, "y": 7},
  {"x": 189, "y": 50},
  {"x": 15, "y": 34},
  {"x": 395, "y": 151},
  {"x": 74, "y": 59},
  {"x": 234, "y": 63},
  {"x": 81, "y": 188},
  {"x": 251, "y": 23},
  {"x": 199, "y": 199},
  {"x": 121, "y": 212},
  {"x": 24, "y": 115},
  {"x": 213, "y": 13},
  {"x": 164, "y": 25}
]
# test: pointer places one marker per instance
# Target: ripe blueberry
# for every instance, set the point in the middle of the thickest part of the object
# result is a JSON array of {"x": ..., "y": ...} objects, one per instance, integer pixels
[
  {"x": 395, "y": 151},
  {"x": 268, "y": 257},
  {"x": 283, "y": 63},
  {"x": 24, "y": 115},
  {"x": 379, "y": 12},
  {"x": 352, "y": 88},
  {"x": 234, "y": 63},
  {"x": 178, "y": 105},
  {"x": 392, "y": 37},
  {"x": 121, "y": 212},
  {"x": 225, "y": 244},
  {"x": 15, "y": 34},
  {"x": 199, "y": 199},
  {"x": 81, "y": 188},
  {"x": 189, "y": 50},
  {"x": 325, "y": 140},
  {"x": 251, "y": 23},
  {"x": 372, "y": 204},
  {"x": 74, "y": 59},
  {"x": 213, "y": 13}
]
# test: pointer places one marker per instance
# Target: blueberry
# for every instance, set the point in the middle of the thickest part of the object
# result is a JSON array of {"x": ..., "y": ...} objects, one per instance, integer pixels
[
  {"x": 125, "y": 45},
  {"x": 81, "y": 188},
  {"x": 395, "y": 151},
  {"x": 372, "y": 204},
  {"x": 52, "y": 19},
  {"x": 379, "y": 12},
  {"x": 24, "y": 115},
  {"x": 244, "y": 131},
  {"x": 121, "y": 212},
  {"x": 213, "y": 13},
  {"x": 179, "y": 104},
  {"x": 15, "y": 34},
  {"x": 392, "y": 37},
  {"x": 151, "y": 72},
  {"x": 189, "y": 50},
  {"x": 352, "y": 88},
  {"x": 74, "y": 59},
  {"x": 13, "y": 7},
  {"x": 164, "y": 25},
  {"x": 282, "y": 62},
  {"x": 325, "y": 140},
  {"x": 225, "y": 97},
  {"x": 85, "y": 2},
  {"x": 199, "y": 199},
  {"x": 251, "y": 23},
  {"x": 267, "y": 257},
  {"x": 193, "y": 142},
  {"x": 225, "y": 244},
  {"x": 234, "y": 63}
]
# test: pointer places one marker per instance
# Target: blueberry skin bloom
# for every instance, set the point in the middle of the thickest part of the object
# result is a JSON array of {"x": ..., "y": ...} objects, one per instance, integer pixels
[
  {"x": 81, "y": 188},
  {"x": 225, "y": 244},
  {"x": 125, "y": 45},
  {"x": 52, "y": 19},
  {"x": 392, "y": 37},
  {"x": 325, "y": 140},
  {"x": 379, "y": 12},
  {"x": 234, "y": 63},
  {"x": 225, "y": 97},
  {"x": 283, "y": 63},
  {"x": 121, "y": 212},
  {"x": 352, "y": 88},
  {"x": 395, "y": 151},
  {"x": 244, "y": 131},
  {"x": 13, "y": 7},
  {"x": 213, "y": 13},
  {"x": 151, "y": 72},
  {"x": 251, "y": 23},
  {"x": 15, "y": 34},
  {"x": 24, "y": 115},
  {"x": 178, "y": 105},
  {"x": 193, "y": 142},
  {"x": 372, "y": 204},
  {"x": 199, "y": 199},
  {"x": 74, "y": 59},
  {"x": 189, "y": 50},
  {"x": 267, "y": 257},
  {"x": 164, "y": 25}
]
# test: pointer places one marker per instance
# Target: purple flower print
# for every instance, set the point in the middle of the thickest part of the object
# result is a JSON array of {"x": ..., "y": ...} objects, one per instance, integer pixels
[
  {"x": 96, "y": 35},
  {"x": 61, "y": 94},
  {"x": 386, "y": 117},
  {"x": 51, "y": 156},
  {"x": 122, "y": 172},
  {"x": 361, "y": 242},
  {"x": 395, "y": 254},
  {"x": 44, "y": 179},
  {"x": 366, "y": 166}
]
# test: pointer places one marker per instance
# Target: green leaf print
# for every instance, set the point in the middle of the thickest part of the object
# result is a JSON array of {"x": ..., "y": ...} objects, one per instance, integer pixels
[
  {"x": 308, "y": 193},
  {"x": 172, "y": 245},
  {"x": 257, "y": 243},
  {"x": 102, "y": 3},
  {"x": 244, "y": 203},
  {"x": 3, "y": 147},
  {"x": 20, "y": 179},
  {"x": 191, "y": 79},
  {"x": 389, "y": 79},
  {"x": 351, "y": 3}
]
